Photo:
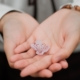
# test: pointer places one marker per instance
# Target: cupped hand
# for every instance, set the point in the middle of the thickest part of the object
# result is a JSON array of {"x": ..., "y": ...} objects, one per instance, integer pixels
[
  {"x": 16, "y": 28},
  {"x": 61, "y": 32}
]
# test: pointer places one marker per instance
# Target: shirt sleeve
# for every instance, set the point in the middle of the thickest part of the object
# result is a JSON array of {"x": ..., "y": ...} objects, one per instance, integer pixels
[
  {"x": 76, "y": 2},
  {"x": 5, "y": 9}
]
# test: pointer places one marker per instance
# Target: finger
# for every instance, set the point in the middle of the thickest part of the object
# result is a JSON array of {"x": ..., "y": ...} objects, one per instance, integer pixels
[
  {"x": 24, "y": 46},
  {"x": 55, "y": 67},
  {"x": 43, "y": 73},
  {"x": 37, "y": 66},
  {"x": 25, "y": 62},
  {"x": 22, "y": 63},
  {"x": 64, "y": 64},
  {"x": 26, "y": 55},
  {"x": 58, "y": 66},
  {"x": 30, "y": 53},
  {"x": 68, "y": 47}
]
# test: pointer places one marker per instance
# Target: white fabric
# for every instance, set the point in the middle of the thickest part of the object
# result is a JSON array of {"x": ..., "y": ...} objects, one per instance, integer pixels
[
  {"x": 76, "y": 2},
  {"x": 5, "y": 9}
]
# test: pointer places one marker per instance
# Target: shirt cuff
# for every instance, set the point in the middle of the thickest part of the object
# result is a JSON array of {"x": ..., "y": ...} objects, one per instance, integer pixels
[
  {"x": 76, "y": 2},
  {"x": 4, "y": 9}
]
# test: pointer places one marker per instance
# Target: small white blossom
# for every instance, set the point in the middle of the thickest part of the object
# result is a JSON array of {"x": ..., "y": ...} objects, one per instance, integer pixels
[{"x": 39, "y": 47}]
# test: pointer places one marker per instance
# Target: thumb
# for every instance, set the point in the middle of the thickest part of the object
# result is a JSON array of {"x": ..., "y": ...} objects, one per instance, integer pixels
[
  {"x": 68, "y": 47},
  {"x": 24, "y": 46}
]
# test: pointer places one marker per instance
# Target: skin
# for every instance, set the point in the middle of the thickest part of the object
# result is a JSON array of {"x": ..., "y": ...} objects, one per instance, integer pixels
[
  {"x": 61, "y": 31},
  {"x": 17, "y": 28}
]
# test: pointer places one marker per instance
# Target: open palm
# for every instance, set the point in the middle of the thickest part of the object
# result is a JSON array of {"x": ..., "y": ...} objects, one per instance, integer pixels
[
  {"x": 61, "y": 32},
  {"x": 16, "y": 28}
]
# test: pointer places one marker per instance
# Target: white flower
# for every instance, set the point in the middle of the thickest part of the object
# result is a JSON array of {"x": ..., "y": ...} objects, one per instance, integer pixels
[{"x": 39, "y": 47}]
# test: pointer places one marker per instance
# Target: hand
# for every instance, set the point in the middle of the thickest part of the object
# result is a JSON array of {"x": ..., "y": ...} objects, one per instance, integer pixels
[
  {"x": 61, "y": 32},
  {"x": 16, "y": 28}
]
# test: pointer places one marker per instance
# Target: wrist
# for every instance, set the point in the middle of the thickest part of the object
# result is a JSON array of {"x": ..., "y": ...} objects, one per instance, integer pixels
[{"x": 9, "y": 16}]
